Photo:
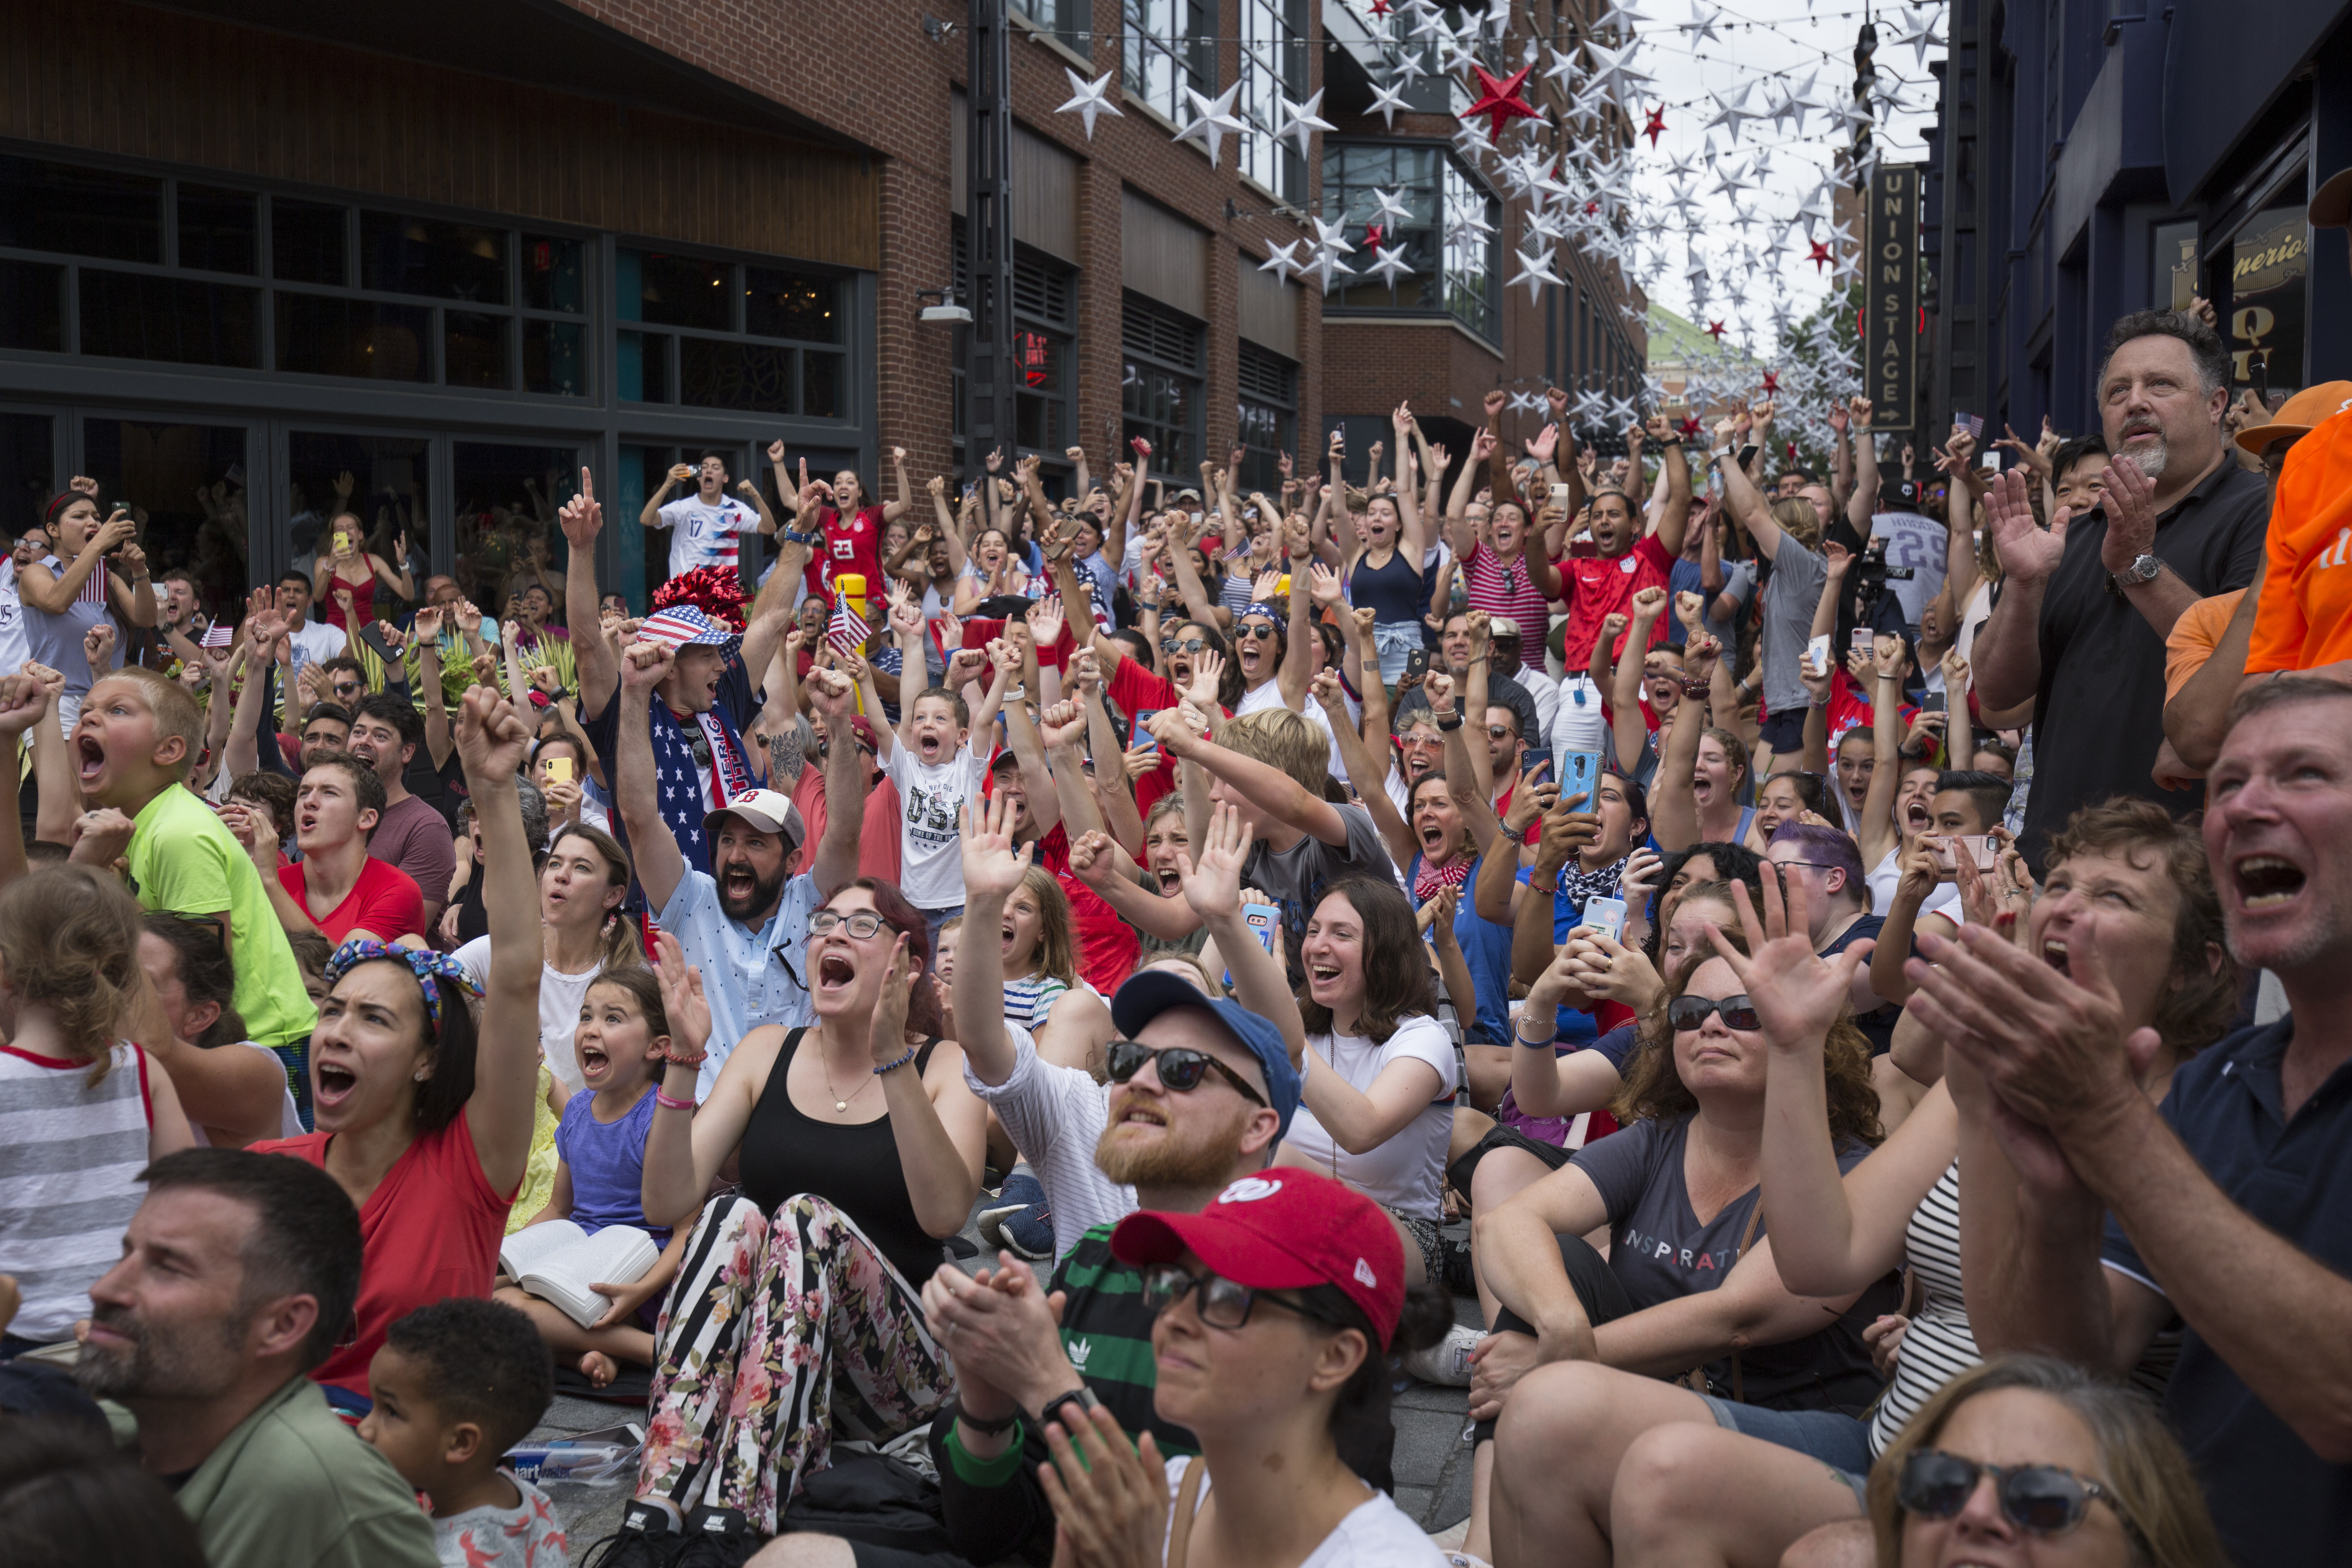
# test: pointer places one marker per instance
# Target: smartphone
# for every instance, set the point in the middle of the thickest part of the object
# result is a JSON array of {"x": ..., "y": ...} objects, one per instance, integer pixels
[
  {"x": 1982, "y": 847},
  {"x": 1580, "y": 772},
  {"x": 1260, "y": 919},
  {"x": 559, "y": 770},
  {"x": 1817, "y": 653},
  {"x": 681, "y": 472},
  {"x": 1416, "y": 664},
  {"x": 342, "y": 541},
  {"x": 1748, "y": 454},
  {"x": 1140, "y": 735},
  {"x": 1536, "y": 755},
  {"x": 1606, "y": 916},
  {"x": 1559, "y": 495},
  {"x": 1863, "y": 641},
  {"x": 1932, "y": 703}
]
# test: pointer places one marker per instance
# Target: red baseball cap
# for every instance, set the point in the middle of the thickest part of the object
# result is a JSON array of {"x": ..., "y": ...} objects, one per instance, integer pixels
[{"x": 1285, "y": 1230}]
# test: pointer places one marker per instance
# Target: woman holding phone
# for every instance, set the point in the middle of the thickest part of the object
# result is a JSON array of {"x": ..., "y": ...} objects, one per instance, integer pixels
[{"x": 348, "y": 564}]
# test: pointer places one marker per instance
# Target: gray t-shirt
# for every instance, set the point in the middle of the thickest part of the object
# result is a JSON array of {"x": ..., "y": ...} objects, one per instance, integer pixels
[
  {"x": 1660, "y": 1251},
  {"x": 1790, "y": 594},
  {"x": 1295, "y": 879},
  {"x": 1740, "y": 582}
]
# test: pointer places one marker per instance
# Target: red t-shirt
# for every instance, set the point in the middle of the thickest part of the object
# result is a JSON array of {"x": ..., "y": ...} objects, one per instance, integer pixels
[
  {"x": 1139, "y": 690},
  {"x": 386, "y": 901},
  {"x": 431, "y": 1229},
  {"x": 1849, "y": 709},
  {"x": 1107, "y": 945},
  {"x": 855, "y": 546},
  {"x": 1599, "y": 586},
  {"x": 877, "y": 830}
]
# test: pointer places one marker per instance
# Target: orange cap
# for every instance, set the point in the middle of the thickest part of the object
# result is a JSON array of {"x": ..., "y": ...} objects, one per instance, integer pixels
[{"x": 2298, "y": 415}]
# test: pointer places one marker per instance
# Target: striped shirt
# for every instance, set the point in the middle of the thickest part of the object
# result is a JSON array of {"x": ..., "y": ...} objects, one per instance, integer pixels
[
  {"x": 1028, "y": 1002},
  {"x": 1939, "y": 1345},
  {"x": 71, "y": 1151},
  {"x": 1502, "y": 588}
]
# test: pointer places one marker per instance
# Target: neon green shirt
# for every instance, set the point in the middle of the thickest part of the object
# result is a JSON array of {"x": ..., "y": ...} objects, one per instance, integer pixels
[{"x": 183, "y": 858}]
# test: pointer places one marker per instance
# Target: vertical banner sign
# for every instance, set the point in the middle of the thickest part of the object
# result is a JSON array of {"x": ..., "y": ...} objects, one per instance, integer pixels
[{"x": 1890, "y": 333}]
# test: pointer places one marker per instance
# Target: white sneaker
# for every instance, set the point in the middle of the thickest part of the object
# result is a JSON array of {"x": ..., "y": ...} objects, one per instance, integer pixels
[{"x": 1446, "y": 1362}]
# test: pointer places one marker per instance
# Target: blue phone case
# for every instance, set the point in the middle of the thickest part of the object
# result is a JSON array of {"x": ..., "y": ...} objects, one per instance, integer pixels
[
  {"x": 1579, "y": 771},
  {"x": 1604, "y": 915}
]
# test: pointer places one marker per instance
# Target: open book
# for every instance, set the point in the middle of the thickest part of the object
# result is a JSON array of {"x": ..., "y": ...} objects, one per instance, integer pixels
[{"x": 557, "y": 1261}]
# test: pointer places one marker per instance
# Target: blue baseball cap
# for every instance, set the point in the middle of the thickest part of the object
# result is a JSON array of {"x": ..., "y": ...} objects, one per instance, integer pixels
[{"x": 1151, "y": 993}]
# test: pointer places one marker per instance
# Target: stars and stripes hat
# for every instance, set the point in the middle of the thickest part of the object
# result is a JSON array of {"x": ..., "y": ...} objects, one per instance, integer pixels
[{"x": 683, "y": 626}]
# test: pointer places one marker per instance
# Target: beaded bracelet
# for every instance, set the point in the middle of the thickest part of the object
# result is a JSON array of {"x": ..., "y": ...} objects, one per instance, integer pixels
[{"x": 894, "y": 1067}]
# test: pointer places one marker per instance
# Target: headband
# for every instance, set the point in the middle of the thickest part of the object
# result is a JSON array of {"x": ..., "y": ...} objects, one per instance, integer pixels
[{"x": 422, "y": 961}]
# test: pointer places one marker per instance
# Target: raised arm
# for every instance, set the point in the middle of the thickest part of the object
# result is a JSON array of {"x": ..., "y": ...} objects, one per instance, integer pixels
[
  {"x": 1115, "y": 791},
  {"x": 582, "y": 520},
  {"x": 1268, "y": 793},
  {"x": 1864, "y": 501},
  {"x": 892, "y": 510},
  {"x": 492, "y": 741},
  {"x": 1630, "y": 734},
  {"x": 1742, "y": 499},
  {"x": 1677, "y": 814},
  {"x": 1363, "y": 770},
  {"x": 1675, "y": 523},
  {"x": 1879, "y": 833},
  {"x": 835, "y": 862},
  {"x": 660, "y": 864},
  {"x": 24, "y": 703},
  {"x": 1298, "y": 656}
]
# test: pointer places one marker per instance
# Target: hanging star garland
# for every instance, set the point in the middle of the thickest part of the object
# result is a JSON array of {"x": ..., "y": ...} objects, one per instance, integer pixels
[
  {"x": 1499, "y": 100},
  {"x": 1091, "y": 100},
  {"x": 1213, "y": 118},
  {"x": 1715, "y": 331},
  {"x": 1657, "y": 126},
  {"x": 1821, "y": 257}
]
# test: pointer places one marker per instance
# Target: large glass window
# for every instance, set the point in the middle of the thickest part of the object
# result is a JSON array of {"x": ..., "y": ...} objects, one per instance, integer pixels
[
  {"x": 1273, "y": 65},
  {"x": 761, "y": 338},
  {"x": 1070, "y": 21},
  {"x": 1170, "y": 45},
  {"x": 1161, "y": 392},
  {"x": 1456, "y": 270},
  {"x": 1045, "y": 350},
  {"x": 1269, "y": 416},
  {"x": 2269, "y": 294}
]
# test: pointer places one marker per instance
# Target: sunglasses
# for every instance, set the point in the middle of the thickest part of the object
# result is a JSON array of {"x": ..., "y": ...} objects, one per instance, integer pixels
[
  {"x": 700, "y": 747},
  {"x": 1187, "y": 645},
  {"x": 1222, "y": 1303},
  {"x": 2041, "y": 1500},
  {"x": 1179, "y": 1067},
  {"x": 1689, "y": 1012},
  {"x": 1266, "y": 630},
  {"x": 864, "y": 925},
  {"x": 1502, "y": 733}
]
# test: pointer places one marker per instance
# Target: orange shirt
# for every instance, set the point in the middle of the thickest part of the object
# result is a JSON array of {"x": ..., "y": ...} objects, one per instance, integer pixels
[
  {"x": 2305, "y": 618},
  {"x": 2194, "y": 637}
]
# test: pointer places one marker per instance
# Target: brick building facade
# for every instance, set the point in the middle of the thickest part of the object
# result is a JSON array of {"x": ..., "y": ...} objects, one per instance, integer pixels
[{"x": 462, "y": 249}]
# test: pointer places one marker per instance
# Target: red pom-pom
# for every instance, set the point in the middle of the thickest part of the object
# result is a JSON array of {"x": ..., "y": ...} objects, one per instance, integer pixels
[{"x": 716, "y": 591}]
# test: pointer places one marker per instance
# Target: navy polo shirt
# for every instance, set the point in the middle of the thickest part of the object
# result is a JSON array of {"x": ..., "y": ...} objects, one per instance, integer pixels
[{"x": 2274, "y": 1502}]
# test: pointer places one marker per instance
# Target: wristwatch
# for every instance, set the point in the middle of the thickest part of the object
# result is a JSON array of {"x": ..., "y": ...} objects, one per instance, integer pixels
[
  {"x": 1082, "y": 1397},
  {"x": 2143, "y": 569}
]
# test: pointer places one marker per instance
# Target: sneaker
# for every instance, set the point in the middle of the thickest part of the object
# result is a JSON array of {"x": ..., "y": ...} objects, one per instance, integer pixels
[
  {"x": 1446, "y": 1362},
  {"x": 718, "y": 1538},
  {"x": 1461, "y": 1279},
  {"x": 1022, "y": 1191},
  {"x": 646, "y": 1539},
  {"x": 1030, "y": 1233}
]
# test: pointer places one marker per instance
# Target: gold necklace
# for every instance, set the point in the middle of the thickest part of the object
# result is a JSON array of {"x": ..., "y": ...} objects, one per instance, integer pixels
[{"x": 825, "y": 1068}]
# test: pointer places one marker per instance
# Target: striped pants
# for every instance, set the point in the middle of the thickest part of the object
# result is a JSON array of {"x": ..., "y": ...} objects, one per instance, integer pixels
[{"x": 780, "y": 1331}]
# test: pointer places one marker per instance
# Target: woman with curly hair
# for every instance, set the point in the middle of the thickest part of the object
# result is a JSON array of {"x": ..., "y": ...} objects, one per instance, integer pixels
[{"x": 1577, "y": 1365}]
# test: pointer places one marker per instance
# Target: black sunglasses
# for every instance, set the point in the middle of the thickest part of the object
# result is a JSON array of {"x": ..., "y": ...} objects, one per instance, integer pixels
[
  {"x": 700, "y": 747},
  {"x": 1257, "y": 629},
  {"x": 1690, "y": 1012},
  {"x": 1189, "y": 644},
  {"x": 1222, "y": 1304},
  {"x": 2041, "y": 1500},
  {"x": 1180, "y": 1068}
]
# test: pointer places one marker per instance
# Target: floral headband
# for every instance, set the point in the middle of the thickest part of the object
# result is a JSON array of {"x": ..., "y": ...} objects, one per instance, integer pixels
[{"x": 422, "y": 961}]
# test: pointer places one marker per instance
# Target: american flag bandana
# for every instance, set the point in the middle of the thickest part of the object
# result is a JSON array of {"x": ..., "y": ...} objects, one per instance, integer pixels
[
  {"x": 683, "y": 626},
  {"x": 847, "y": 632},
  {"x": 697, "y": 767}
]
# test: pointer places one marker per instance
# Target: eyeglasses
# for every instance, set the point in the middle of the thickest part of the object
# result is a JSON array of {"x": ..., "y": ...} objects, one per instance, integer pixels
[
  {"x": 2041, "y": 1500},
  {"x": 1502, "y": 733},
  {"x": 862, "y": 925},
  {"x": 1179, "y": 1067},
  {"x": 1222, "y": 1304},
  {"x": 1814, "y": 865},
  {"x": 1259, "y": 629},
  {"x": 700, "y": 747},
  {"x": 1189, "y": 644},
  {"x": 1690, "y": 1012}
]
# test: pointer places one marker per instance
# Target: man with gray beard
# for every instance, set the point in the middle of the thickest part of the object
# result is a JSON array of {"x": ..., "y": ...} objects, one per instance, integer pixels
[
  {"x": 238, "y": 1274},
  {"x": 2085, "y": 604}
]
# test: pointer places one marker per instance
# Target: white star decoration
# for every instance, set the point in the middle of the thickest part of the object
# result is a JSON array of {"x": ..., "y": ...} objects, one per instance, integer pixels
[
  {"x": 1389, "y": 266},
  {"x": 1535, "y": 271},
  {"x": 1089, "y": 99},
  {"x": 1300, "y": 122},
  {"x": 1213, "y": 118},
  {"x": 1386, "y": 101}
]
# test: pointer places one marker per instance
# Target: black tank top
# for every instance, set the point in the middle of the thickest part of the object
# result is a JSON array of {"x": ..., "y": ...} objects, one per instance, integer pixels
[
  {"x": 1396, "y": 592},
  {"x": 854, "y": 1167}
]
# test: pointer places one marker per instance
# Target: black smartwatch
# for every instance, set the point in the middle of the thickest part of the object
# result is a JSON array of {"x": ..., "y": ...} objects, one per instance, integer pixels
[{"x": 1082, "y": 1397}]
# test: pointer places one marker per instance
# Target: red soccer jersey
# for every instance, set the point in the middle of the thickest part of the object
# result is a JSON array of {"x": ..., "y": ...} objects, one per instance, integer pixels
[
  {"x": 855, "y": 546},
  {"x": 1600, "y": 587}
]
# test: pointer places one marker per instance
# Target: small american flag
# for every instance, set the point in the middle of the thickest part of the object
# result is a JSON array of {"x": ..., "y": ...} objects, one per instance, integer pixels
[
  {"x": 682, "y": 625},
  {"x": 219, "y": 635},
  {"x": 1972, "y": 423},
  {"x": 848, "y": 630}
]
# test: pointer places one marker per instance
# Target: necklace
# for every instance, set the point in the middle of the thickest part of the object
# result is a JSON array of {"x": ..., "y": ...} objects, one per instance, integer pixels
[{"x": 825, "y": 1068}]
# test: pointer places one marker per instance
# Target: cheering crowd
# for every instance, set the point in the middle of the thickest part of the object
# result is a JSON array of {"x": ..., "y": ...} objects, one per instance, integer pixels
[{"x": 1782, "y": 984}]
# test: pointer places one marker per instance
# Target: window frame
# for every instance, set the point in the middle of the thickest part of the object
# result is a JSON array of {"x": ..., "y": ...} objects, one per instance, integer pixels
[
  {"x": 1273, "y": 48},
  {"x": 1189, "y": 55},
  {"x": 669, "y": 341},
  {"x": 1472, "y": 296},
  {"x": 1171, "y": 458},
  {"x": 1259, "y": 466}
]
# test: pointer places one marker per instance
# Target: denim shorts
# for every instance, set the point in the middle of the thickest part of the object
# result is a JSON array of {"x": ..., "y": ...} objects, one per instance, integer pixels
[{"x": 1837, "y": 1440}]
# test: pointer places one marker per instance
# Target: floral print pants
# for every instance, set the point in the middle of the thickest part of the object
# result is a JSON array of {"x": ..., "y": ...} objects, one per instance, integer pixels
[{"x": 781, "y": 1331}]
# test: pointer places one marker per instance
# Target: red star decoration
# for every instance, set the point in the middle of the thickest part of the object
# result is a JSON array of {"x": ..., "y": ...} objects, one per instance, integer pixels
[
  {"x": 1381, "y": 7},
  {"x": 1821, "y": 256},
  {"x": 1591, "y": 207},
  {"x": 1715, "y": 331},
  {"x": 1499, "y": 100},
  {"x": 1689, "y": 427},
  {"x": 1657, "y": 124},
  {"x": 1371, "y": 236},
  {"x": 1771, "y": 384}
]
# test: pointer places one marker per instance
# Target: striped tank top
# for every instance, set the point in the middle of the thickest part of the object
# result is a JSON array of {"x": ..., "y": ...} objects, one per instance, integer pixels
[{"x": 70, "y": 1154}]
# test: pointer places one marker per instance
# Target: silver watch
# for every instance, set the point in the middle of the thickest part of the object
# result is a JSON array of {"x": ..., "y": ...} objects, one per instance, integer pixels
[{"x": 2143, "y": 569}]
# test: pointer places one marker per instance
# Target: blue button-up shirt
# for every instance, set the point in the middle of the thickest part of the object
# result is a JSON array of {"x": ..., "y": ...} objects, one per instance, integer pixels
[{"x": 751, "y": 975}]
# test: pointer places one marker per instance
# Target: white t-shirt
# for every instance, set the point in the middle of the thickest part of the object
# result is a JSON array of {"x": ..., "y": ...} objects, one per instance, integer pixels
[
  {"x": 701, "y": 534},
  {"x": 560, "y": 996},
  {"x": 1405, "y": 1173},
  {"x": 316, "y": 642},
  {"x": 1376, "y": 1534},
  {"x": 14, "y": 650},
  {"x": 1054, "y": 1116},
  {"x": 931, "y": 857},
  {"x": 1887, "y": 875}
]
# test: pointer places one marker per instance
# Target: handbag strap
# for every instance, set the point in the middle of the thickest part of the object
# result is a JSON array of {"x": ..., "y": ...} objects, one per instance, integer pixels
[
  {"x": 1188, "y": 1500},
  {"x": 1747, "y": 1234}
]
